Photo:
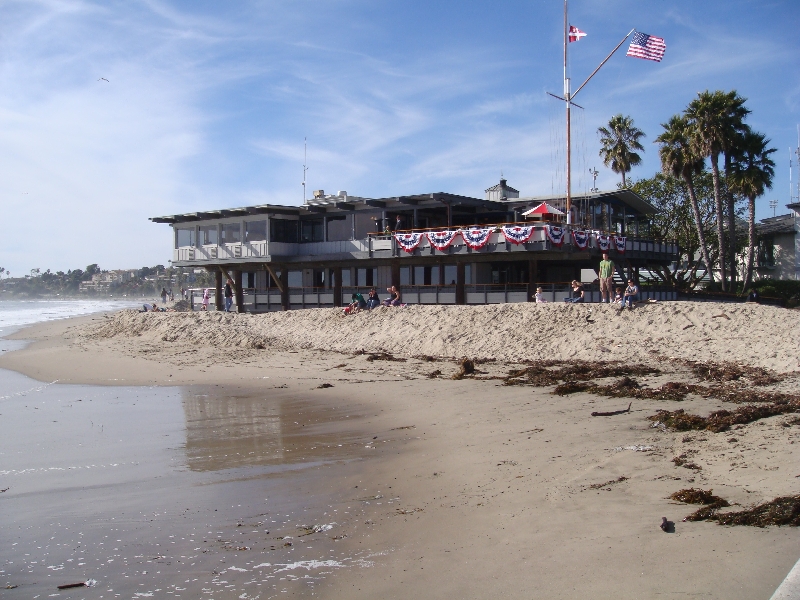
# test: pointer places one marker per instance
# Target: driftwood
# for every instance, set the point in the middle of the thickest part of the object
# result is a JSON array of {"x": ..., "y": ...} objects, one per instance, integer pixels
[
  {"x": 613, "y": 412},
  {"x": 71, "y": 585}
]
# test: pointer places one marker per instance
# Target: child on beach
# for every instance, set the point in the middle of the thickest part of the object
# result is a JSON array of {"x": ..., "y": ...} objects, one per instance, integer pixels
[
  {"x": 206, "y": 294},
  {"x": 618, "y": 297},
  {"x": 539, "y": 295}
]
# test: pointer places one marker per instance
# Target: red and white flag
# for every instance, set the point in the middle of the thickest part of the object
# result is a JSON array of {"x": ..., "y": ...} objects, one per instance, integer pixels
[
  {"x": 575, "y": 34},
  {"x": 648, "y": 47}
]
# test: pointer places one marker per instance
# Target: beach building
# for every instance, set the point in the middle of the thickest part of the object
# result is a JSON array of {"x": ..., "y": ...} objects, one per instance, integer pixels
[
  {"x": 778, "y": 254},
  {"x": 437, "y": 248}
]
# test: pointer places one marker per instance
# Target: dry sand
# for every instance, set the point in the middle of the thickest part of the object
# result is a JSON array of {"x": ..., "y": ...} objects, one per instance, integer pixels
[{"x": 496, "y": 490}]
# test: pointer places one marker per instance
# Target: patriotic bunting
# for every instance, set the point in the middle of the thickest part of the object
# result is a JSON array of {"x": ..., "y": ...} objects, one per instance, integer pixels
[
  {"x": 441, "y": 239},
  {"x": 517, "y": 234},
  {"x": 581, "y": 238},
  {"x": 477, "y": 237},
  {"x": 408, "y": 241},
  {"x": 619, "y": 244},
  {"x": 555, "y": 234},
  {"x": 603, "y": 241}
]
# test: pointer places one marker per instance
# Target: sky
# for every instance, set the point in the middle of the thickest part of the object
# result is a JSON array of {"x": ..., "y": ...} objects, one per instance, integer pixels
[{"x": 115, "y": 111}]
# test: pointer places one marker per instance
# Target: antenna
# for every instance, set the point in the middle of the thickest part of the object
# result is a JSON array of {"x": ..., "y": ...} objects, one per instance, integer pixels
[
  {"x": 593, "y": 172},
  {"x": 773, "y": 204},
  {"x": 305, "y": 168}
]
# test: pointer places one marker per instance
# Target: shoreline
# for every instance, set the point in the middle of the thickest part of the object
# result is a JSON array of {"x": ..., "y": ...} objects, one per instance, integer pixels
[{"x": 500, "y": 489}]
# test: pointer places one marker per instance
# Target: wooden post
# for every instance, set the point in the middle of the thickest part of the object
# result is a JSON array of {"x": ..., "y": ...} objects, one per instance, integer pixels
[
  {"x": 461, "y": 296},
  {"x": 218, "y": 302},
  {"x": 284, "y": 279},
  {"x": 238, "y": 291},
  {"x": 337, "y": 286},
  {"x": 533, "y": 276}
]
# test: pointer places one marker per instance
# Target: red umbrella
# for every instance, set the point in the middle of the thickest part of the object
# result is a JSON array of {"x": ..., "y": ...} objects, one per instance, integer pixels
[{"x": 543, "y": 209}]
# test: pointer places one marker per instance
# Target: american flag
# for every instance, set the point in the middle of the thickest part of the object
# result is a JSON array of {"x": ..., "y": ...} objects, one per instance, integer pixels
[{"x": 646, "y": 46}]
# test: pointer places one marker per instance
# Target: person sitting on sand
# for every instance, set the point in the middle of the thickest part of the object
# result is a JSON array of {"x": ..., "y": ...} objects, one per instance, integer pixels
[
  {"x": 577, "y": 293},
  {"x": 631, "y": 294},
  {"x": 206, "y": 298},
  {"x": 373, "y": 301},
  {"x": 618, "y": 297},
  {"x": 539, "y": 296},
  {"x": 394, "y": 297},
  {"x": 147, "y": 307},
  {"x": 358, "y": 303}
]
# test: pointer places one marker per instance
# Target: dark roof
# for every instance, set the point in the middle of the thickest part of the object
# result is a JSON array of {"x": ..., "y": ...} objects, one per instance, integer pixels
[
  {"x": 502, "y": 186},
  {"x": 779, "y": 224}
]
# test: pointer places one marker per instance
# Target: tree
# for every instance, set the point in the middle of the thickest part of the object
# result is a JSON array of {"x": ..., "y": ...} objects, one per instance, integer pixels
[
  {"x": 620, "y": 140},
  {"x": 752, "y": 171},
  {"x": 717, "y": 121},
  {"x": 674, "y": 219},
  {"x": 679, "y": 159}
]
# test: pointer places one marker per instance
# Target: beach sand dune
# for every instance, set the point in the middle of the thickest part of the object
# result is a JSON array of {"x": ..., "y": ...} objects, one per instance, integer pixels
[{"x": 746, "y": 333}]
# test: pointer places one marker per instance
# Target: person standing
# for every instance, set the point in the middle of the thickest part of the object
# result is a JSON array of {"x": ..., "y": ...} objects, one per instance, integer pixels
[
  {"x": 228, "y": 294},
  {"x": 163, "y": 295},
  {"x": 606, "y": 278}
]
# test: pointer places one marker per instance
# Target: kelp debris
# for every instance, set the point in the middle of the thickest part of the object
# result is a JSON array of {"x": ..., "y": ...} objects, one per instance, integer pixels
[
  {"x": 597, "y": 486},
  {"x": 466, "y": 367},
  {"x": 373, "y": 356},
  {"x": 683, "y": 461},
  {"x": 728, "y": 371},
  {"x": 722, "y": 420},
  {"x": 434, "y": 374},
  {"x": 698, "y": 496},
  {"x": 780, "y": 511},
  {"x": 552, "y": 372}
]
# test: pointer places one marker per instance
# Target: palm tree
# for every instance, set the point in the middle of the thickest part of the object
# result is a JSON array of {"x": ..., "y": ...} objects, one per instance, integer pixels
[
  {"x": 679, "y": 159},
  {"x": 717, "y": 120},
  {"x": 752, "y": 171},
  {"x": 619, "y": 140}
]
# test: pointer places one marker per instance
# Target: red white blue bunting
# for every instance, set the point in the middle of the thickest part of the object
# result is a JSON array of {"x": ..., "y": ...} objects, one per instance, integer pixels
[
  {"x": 581, "y": 238},
  {"x": 619, "y": 244},
  {"x": 477, "y": 237},
  {"x": 603, "y": 241},
  {"x": 517, "y": 234},
  {"x": 441, "y": 239},
  {"x": 408, "y": 241},
  {"x": 555, "y": 234}
]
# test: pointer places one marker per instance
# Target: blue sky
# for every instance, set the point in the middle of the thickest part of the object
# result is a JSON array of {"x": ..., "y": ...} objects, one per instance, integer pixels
[{"x": 207, "y": 104}]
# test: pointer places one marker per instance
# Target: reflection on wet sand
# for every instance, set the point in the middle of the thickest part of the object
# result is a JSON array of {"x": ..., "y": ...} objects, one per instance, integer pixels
[{"x": 233, "y": 428}]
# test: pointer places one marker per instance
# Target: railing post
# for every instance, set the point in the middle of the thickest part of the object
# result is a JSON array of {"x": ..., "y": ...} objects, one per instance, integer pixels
[
  {"x": 218, "y": 291},
  {"x": 284, "y": 288},
  {"x": 461, "y": 296}
]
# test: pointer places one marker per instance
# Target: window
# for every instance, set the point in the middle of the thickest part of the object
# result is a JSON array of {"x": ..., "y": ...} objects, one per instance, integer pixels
[
  {"x": 450, "y": 274},
  {"x": 255, "y": 231},
  {"x": 311, "y": 231},
  {"x": 405, "y": 275},
  {"x": 766, "y": 253},
  {"x": 231, "y": 233},
  {"x": 295, "y": 279},
  {"x": 283, "y": 230},
  {"x": 207, "y": 235},
  {"x": 340, "y": 228},
  {"x": 346, "y": 277},
  {"x": 184, "y": 237}
]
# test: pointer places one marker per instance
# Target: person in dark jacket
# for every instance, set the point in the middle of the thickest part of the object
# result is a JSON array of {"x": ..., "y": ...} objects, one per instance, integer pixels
[{"x": 228, "y": 295}]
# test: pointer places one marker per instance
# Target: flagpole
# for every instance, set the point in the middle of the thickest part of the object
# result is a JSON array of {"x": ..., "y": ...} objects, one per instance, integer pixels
[
  {"x": 567, "y": 101},
  {"x": 604, "y": 62}
]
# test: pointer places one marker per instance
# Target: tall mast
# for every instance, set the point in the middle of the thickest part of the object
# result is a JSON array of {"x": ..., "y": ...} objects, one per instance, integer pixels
[
  {"x": 567, "y": 102},
  {"x": 305, "y": 168}
]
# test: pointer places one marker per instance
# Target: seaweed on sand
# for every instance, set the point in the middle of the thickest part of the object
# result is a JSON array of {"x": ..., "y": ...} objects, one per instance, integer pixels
[
  {"x": 780, "y": 511},
  {"x": 722, "y": 420},
  {"x": 552, "y": 372},
  {"x": 627, "y": 387},
  {"x": 373, "y": 356},
  {"x": 697, "y": 496},
  {"x": 466, "y": 367},
  {"x": 728, "y": 371}
]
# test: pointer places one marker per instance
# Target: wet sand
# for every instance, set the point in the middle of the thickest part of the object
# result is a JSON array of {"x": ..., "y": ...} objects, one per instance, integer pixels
[{"x": 465, "y": 488}]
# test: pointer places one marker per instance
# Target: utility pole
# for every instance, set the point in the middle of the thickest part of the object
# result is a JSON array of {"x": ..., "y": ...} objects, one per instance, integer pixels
[{"x": 594, "y": 172}]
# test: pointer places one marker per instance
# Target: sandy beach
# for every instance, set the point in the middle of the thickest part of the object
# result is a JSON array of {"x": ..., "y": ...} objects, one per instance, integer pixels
[{"x": 436, "y": 481}]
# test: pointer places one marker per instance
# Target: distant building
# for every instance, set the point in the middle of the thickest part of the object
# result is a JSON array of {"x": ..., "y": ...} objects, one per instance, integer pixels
[
  {"x": 778, "y": 255},
  {"x": 318, "y": 254},
  {"x": 501, "y": 191}
]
